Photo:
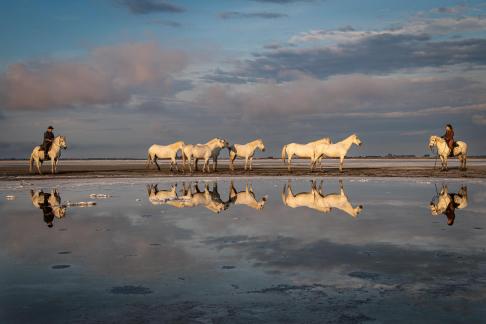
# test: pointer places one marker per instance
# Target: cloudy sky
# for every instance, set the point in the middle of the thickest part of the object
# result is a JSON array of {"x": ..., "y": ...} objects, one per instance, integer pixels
[{"x": 115, "y": 76}]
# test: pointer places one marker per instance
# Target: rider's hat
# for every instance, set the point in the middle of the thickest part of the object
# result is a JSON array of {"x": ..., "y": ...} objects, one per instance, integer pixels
[{"x": 50, "y": 127}]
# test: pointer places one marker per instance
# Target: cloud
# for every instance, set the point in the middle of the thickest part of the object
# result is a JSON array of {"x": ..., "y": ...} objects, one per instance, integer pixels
[
  {"x": 378, "y": 54},
  {"x": 479, "y": 119},
  {"x": 143, "y": 7},
  {"x": 435, "y": 26},
  {"x": 263, "y": 15},
  {"x": 450, "y": 10},
  {"x": 168, "y": 23},
  {"x": 417, "y": 27},
  {"x": 354, "y": 95},
  {"x": 106, "y": 75},
  {"x": 283, "y": 1}
]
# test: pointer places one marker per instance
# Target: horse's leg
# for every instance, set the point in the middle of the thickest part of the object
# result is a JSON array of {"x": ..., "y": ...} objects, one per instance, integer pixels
[
  {"x": 442, "y": 163},
  {"x": 38, "y": 164},
  {"x": 206, "y": 165},
  {"x": 156, "y": 164},
  {"x": 52, "y": 165},
  {"x": 195, "y": 163},
  {"x": 246, "y": 162},
  {"x": 232, "y": 161},
  {"x": 290, "y": 162},
  {"x": 251, "y": 163},
  {"x": 341, "y": 162},
  {"x": 175, "y": 164},
  {"x": 312, "y": 163}
]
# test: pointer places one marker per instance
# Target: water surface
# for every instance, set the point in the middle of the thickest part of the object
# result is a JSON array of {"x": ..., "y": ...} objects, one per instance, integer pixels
[{"x": 155, "y": 251}]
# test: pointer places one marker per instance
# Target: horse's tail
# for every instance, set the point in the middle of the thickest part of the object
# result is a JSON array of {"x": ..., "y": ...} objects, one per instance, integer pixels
[
  {"x": 232, "y": 152},
  {"x": 31, "y": 162},
  {"x": 284, "y": 152},
  {"x": 283, "y": 195},
  {"x": 149, "y": 158}
]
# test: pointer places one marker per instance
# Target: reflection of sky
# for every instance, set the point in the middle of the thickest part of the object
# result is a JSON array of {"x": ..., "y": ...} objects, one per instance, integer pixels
[{"x": 180, "y": 254}]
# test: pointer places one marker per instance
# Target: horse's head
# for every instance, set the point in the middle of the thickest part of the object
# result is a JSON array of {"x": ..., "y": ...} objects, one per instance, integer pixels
[
  {"x": 261, "y": 202},
  {"x": 60, "y": 211},
  {"x": 432, "y": 141},
  {"x": 61, "y": 141},
  {"x": 356, "y": 140},
  {"x": 357, "y": 210},
  {"x": 261, "y": 145},
  {"x": 222, "y": 143}
]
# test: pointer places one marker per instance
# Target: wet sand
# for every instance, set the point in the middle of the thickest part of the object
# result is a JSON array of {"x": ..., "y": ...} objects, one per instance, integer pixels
[{"x": 69, "y": 169}]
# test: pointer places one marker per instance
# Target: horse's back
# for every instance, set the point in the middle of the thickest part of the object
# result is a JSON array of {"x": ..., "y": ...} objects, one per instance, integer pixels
[{"x": 462, "y": 144}]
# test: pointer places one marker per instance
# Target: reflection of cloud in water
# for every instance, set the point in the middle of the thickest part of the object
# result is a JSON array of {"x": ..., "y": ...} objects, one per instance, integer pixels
[{"x": 379, "y": 263}]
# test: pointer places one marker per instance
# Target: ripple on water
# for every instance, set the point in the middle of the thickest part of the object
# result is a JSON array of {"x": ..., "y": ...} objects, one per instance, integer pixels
[
  {"x": 131, "y": 290},
  {"x": 60, "y": 266}
]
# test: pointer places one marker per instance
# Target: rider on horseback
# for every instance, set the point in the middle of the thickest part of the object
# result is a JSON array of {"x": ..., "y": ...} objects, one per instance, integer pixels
[
  {"x": 449, "y": 138},
  {"x": 48, "y": 139}
]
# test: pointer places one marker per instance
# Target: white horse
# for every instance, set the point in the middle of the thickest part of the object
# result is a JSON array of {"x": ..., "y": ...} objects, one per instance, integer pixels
[
  {"x": 337, "y": 150},
  {"x": 54, "y": 154},
  {"x": 53, "y": 201},
  {"x": 246, "y": 197},
  {"x": 245, "y": 151},
  {"x": 164, "y": 152},
  {"x": 204, "y": 151},
  {"x": 189, "y": 147},
  {"x": 316, "y": 200},
  {"x": 443, "y": 150},
  {"x": 303, "y": 150}
]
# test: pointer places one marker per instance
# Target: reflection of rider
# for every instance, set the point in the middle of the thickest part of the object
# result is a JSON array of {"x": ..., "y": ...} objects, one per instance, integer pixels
[
  {"x": 449, "y": 138},
  {"x": 450, "y": 211},
  {"x": 48, "y": 139},
  {"x": 47, "y": 210}
]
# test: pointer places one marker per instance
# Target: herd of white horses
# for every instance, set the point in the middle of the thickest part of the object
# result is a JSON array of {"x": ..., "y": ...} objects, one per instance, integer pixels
[{"x": 192, "y": 153}]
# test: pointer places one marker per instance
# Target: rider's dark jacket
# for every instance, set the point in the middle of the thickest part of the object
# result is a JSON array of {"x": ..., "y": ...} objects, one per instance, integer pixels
[{"x": 48, "y": 138}]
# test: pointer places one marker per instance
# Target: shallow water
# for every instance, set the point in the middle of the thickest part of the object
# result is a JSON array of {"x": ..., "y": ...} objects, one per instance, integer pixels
[{"x": 374, "y": 252}]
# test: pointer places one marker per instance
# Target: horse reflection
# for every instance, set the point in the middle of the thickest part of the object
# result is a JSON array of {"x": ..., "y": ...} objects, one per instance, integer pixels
[
  {"x": 448, "y": 202},
  {"x": 50, "y": 203},
  {"x": 191, "y": 196},
  {"x": 317, "y": 200},
  {"x": 246, "y": 197},
  {"x": 161, "y": 197}
]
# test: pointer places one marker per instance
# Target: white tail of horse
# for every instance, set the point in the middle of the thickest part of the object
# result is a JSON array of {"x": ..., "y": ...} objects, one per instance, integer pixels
[{"x": 284, "y": 153}]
